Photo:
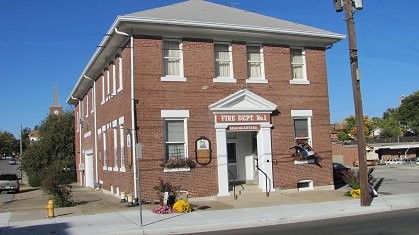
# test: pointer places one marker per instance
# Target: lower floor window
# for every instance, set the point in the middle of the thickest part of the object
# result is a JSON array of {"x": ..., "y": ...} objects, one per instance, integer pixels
[{"x": 175, "y": 139}]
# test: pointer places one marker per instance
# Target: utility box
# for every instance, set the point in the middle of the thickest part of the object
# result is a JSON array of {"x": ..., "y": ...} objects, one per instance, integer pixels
[{"x": 357, "y": 4}]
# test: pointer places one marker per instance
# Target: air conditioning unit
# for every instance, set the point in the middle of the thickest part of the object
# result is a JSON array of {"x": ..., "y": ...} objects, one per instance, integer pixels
[{"x": 81, "y": 167}]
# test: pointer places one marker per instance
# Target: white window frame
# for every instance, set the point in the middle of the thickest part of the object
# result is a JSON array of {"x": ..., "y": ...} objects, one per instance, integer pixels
[
  {"x": 93, "y": 102},
  {"x": 262, "y": 78},
  {"x": 108, "y": 88},
  {"x": 173, "y": 78},
  {"x": 120, "y": 74},
  {"x": 217, "y": 78},
  {"x": 103, "y": 89},
  {"x": 303, "y": 115},
  {"x": 115, "y": 145},
  {"x": 87, "y": 104},
  {"x": 122, "y": 143},
  {"x": 176, "y": 115},
  {"x": 78, "y": 121},
  {"x": 304, "y": 79},
  {"x": 105, "y": 156},
  {"x": 113, "y": 79}
]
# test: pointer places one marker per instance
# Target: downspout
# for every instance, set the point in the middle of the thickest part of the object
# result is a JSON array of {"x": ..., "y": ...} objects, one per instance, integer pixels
[
  {"x": 80, "y": 151},
  {"x": 95, "y": 127},
  {"x": 133, "y": 116}
]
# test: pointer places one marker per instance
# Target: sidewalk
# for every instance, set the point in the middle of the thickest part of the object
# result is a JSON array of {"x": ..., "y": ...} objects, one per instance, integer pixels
[{"x": 105, "y": 215}]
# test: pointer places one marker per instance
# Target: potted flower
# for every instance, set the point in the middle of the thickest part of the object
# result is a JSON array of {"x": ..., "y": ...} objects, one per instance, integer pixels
[{"x": 177, "y": 163}]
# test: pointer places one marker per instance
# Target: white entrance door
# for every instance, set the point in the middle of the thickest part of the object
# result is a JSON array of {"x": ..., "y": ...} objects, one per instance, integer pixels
[{"x": 88, "y": 161}]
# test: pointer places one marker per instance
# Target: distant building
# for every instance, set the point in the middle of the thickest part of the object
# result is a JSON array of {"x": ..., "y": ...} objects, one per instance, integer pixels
[
  {"x": 228, "y": 89},
  {"x": 33, "y": 135},
  {"x": 55, "y": 108}
]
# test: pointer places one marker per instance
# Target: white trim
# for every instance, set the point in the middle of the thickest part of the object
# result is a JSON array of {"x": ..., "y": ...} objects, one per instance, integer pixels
[
  {"x": 113, "y": 79},
  {"x": 87, "y": 134},
  {"x": 299, "y": 82},
  {"x": 256, "y": 80},
  {"x": 174, "y": 113},
  {"x": 120, "y": 81},
  {"x": 108, "y": 88},
  {"x": 224, "y": 79},
  {"x": 300, "y": 162},
  {"x": 173, "y": 79},
  {"x": 309, "y": 188},
  {"x": 103, "y": 89},
  {"x": 180, "y": 169},
  {"x": 301, "y": 113}
]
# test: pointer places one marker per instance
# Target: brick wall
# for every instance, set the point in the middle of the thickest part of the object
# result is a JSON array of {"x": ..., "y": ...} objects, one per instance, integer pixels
[{"x": 196, "y": 94}]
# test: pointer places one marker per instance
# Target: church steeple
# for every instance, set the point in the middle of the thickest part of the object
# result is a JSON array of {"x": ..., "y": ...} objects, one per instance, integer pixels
[{"x": 55, "y": 108}]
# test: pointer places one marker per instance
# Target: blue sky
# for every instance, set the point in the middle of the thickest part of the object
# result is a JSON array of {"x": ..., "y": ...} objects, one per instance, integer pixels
[{"x": 49, "y": 42}]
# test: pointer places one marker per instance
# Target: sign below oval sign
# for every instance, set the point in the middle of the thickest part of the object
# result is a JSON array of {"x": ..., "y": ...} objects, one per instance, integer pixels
[{"x": 203, "y": 151}]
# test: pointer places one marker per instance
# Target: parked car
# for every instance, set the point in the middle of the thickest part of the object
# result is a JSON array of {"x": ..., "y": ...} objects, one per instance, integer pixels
[
  {"x": 369, "y": 163},
  {"x": 339, "y": 170},
  {"x": 394, "y": 161},
  {"x": 12, "y": 161},
  {"x": 9, "y": 182}
]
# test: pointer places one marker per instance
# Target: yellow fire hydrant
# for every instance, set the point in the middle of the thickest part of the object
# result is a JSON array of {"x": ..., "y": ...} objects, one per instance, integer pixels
[{"x": 50, "y": 208}]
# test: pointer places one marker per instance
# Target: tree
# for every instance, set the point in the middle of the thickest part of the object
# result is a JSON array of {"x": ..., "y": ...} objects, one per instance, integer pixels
[
  {"x": 351, "y": 129},
  {"x": 49, "y": 162},
  {"x": 389, "y": 125},
  {"x": 8, "y": 143},
  {"x": 409, "y": 114}
]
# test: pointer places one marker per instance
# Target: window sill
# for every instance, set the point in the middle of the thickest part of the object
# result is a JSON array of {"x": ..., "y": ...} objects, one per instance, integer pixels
[
  {"x": 256, "y": 80},
  {"x": 173, "y": 79},
  {"x": 224, "y": 80},
  {"x": 177, "y": 169},
  {"x": 308, "y": 161},
  {"x": 299, "y": 82}
]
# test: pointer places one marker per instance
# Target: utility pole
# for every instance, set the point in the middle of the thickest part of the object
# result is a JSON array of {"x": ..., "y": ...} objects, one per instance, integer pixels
[
  {"x": 21, "y": 147},
  {"x": 350, "y": 6}
]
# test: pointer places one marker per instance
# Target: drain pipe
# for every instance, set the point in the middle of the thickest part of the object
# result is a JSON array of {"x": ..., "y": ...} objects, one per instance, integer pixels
[
  {"x": 80, "y": 147},
  {"x": 137, "y": 192},
  {"x": 95, "y": 127},
  {"x": 133, "y": 121}
]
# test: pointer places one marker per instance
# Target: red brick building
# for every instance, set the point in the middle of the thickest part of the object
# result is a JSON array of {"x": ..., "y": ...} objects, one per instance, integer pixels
[{"x": 228, "y": 89}]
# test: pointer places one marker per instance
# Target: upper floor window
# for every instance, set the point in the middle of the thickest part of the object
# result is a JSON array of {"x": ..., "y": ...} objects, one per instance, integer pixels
[
  {"x": 298, "y": 66},
  {"x": 255, "y": 67},
  {"x": 120, "y": 73},
  {"x": 223, "y": 63},
  {"x": 172, "y": 61}
]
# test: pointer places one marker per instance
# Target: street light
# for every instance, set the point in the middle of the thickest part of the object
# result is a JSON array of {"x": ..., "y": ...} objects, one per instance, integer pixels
[{"x": 350, "y": 6}]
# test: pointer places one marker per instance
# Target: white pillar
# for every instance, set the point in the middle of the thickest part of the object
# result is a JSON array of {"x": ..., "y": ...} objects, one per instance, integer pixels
[
  {"x": 222, "y": 166},
  {"x": 265, "y": 156}
]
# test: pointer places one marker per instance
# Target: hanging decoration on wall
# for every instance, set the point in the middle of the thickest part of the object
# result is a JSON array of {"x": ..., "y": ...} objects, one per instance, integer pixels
[
  {"x": 304, "y": 152},
  {"x": 203, "y": 150}
]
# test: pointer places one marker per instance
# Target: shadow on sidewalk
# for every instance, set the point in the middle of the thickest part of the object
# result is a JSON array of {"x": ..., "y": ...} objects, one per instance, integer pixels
[{"x": 54, "y": 228}]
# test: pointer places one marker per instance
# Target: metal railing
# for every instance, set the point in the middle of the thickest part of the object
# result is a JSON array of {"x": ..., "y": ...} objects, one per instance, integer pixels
[
  {"x": 267, "y": 189},
  {"x": 234, "y": 184}
]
